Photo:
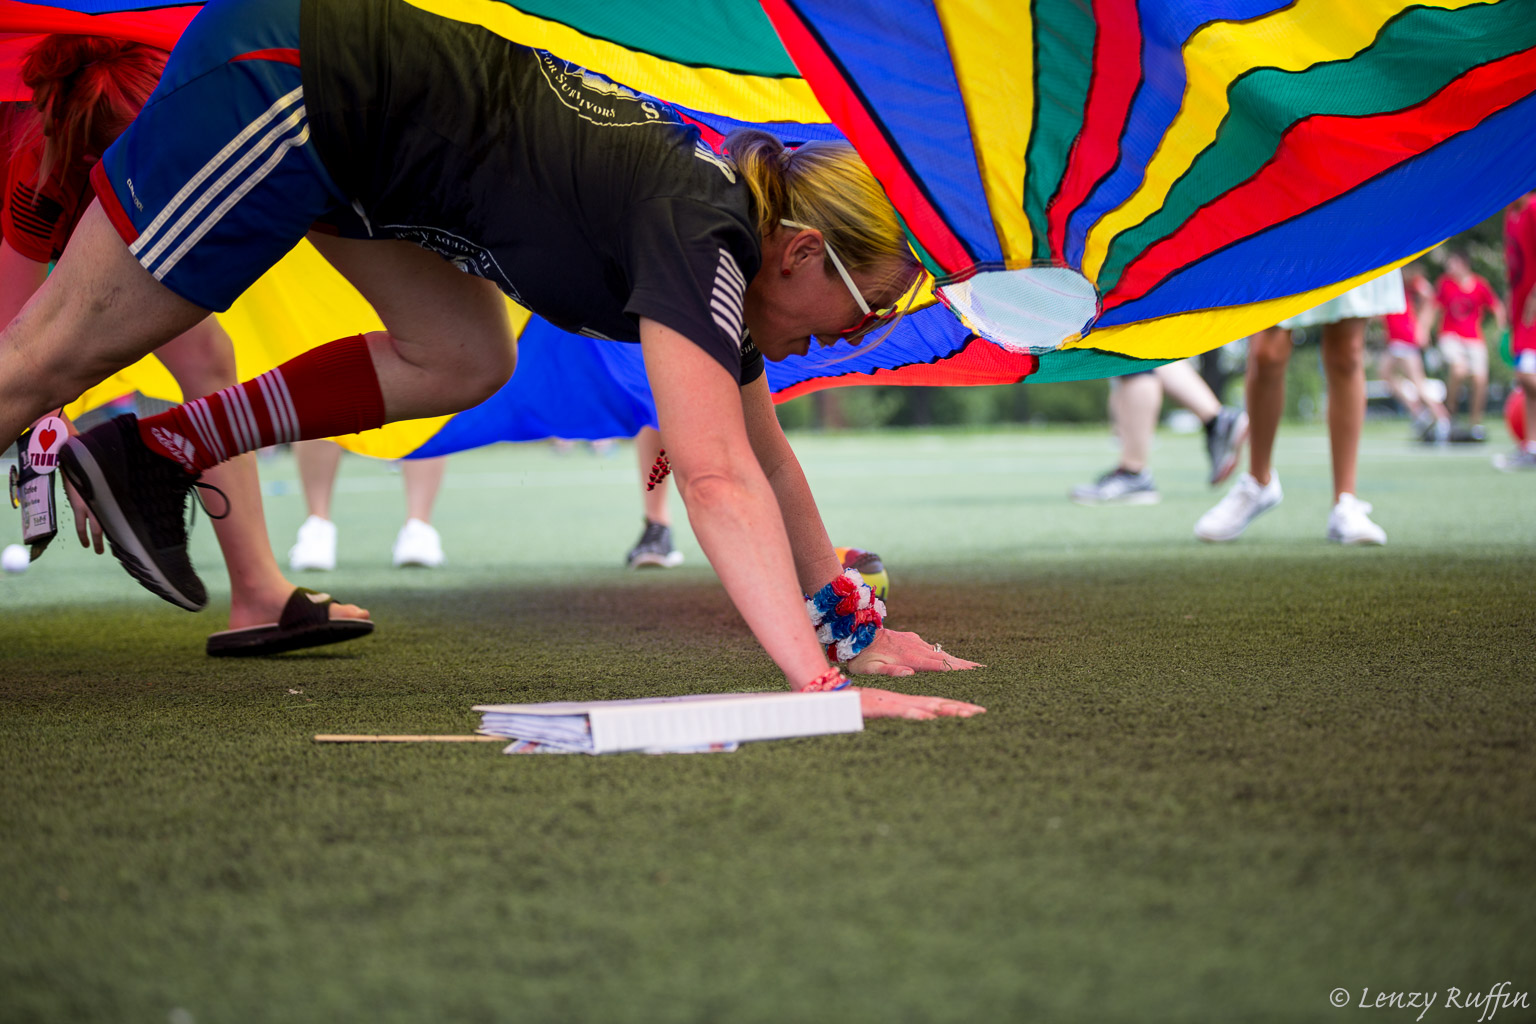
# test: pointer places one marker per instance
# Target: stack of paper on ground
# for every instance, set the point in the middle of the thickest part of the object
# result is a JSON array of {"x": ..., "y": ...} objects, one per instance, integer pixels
[{"x": 669, "y": 725}]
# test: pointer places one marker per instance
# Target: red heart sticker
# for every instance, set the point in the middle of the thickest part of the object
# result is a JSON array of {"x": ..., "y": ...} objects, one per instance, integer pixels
[{"x": 42, "y": 447}]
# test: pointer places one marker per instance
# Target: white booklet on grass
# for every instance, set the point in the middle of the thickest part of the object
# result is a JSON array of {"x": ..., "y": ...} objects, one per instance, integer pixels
[{"x": 708, "y": 721}]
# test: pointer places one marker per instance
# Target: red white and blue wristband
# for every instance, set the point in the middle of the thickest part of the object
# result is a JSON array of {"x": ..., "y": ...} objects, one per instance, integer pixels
[
  {"x": 846, "y": 615},
  {"x": 830, "y": 680}
]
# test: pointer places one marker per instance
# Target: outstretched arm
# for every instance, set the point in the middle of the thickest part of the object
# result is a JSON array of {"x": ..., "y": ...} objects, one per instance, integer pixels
[
  {"x": 892, "y": 653},
  {"x": 735, "y": 515},
  {"x": 730, "y": 505}
]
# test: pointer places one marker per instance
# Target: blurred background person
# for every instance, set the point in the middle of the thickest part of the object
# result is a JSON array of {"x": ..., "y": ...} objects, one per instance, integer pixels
[
  {"x": 1520, "y": 258},
  {"x": 1135, "y": 400},
  {"x": 1343, "y": 321},
  {"x": 1402, "y": 363},
  {"x": 417, "y": 544},
  {"x": 654, "y": 549},
  {"x": 1462, "y": 298}
]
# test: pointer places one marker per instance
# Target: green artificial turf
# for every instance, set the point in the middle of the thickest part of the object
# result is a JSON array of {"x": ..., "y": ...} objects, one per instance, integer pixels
[{"x": 1214, "y": 782}]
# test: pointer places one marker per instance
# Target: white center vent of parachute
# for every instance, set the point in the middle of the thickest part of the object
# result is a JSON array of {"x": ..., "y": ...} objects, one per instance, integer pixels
[{"x": 1034, "y": 309}]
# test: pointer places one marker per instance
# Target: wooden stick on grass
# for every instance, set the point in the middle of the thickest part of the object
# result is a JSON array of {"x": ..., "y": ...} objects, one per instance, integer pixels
[{"x": 339, "y": 738}]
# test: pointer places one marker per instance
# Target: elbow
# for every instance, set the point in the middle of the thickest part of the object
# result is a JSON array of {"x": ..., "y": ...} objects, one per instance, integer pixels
[{"x": 711, "y": 489}]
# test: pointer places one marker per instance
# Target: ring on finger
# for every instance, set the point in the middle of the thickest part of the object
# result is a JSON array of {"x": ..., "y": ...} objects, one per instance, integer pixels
[{"x": 938, "y": 648}]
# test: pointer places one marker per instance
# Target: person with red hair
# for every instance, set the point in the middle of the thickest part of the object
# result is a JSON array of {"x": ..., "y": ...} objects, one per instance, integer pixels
[{"x": 86, "y": 90}]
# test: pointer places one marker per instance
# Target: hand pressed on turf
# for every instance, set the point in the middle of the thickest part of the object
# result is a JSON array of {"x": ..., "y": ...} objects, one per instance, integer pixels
[
  {"x": 886, "y": 704},
  {"x": 893, "y": 653}
]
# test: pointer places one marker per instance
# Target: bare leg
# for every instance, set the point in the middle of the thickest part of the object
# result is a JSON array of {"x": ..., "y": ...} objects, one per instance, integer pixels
[
  {"x": 98, "y": 312},
  {"x": 1112, "y": 405},
  {"x": 1455, "y": 373},
  {"x": 318, "y": 462},
  {"x": 423, "y": 478},
  {"x": 203, "y": 360},
  {"x": 647, "y": 447},
  {"x": 1269, "y": 352},
  {"x": 1344, "y": 367},
  {"x": 1183, "y": 383},
  {"x": 1395, "y": 371},
  {"x": 1413, "y": 369},
  {"x": 1479, "y": 393},
  {"x": 449, "y": 343},
  {"x": 1527, "y": 383},
  {"x": 1141, "y": 398}
]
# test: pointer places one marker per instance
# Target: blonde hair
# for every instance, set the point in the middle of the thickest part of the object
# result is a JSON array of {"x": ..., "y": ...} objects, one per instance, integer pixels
[{"x": 826, "y": 186}]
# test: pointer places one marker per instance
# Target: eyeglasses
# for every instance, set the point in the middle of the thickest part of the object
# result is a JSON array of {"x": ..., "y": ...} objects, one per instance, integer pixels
[{"x": 872, "y": 317}]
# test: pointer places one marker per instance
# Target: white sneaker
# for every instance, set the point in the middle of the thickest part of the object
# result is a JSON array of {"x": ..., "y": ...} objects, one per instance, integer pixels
[
  {"x": 1350, "y": 522},
  {"x": 417, "y": 543},
  {"x": 1244, "y": 503},
  {"x": 315, "y": 548}
]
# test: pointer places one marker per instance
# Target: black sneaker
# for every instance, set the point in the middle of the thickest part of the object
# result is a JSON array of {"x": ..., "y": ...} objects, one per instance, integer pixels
[
  {"x": 1224, "y": 439},
  {"x": 654, "y": 549},
  {"x": 140, "y": 500}
]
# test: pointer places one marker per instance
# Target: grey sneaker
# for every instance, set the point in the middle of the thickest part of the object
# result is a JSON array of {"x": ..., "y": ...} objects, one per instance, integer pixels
[
  {"x": 1422, "y": 425},
  {"x": 654, "y": 549},
  {"x": 1118, "y": 487},
  {"x": 1515, "y": 462},
  {"x": 1224, "y": 442},
  {"x": 1245, "y": 502}
]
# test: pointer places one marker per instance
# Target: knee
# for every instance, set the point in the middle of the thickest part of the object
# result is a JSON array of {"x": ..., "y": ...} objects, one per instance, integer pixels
[
  {"x": 1343, "y": 361},
  {"x": 457, "y": 374},
  {"x": 485, "y": 375},
  {"x": 203, "y": 363}
]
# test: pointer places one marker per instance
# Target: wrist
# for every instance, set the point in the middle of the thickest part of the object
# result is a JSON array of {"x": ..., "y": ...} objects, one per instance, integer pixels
[
  {"x": 830, "y": 680},
  {"x": 846, "y": 615}
]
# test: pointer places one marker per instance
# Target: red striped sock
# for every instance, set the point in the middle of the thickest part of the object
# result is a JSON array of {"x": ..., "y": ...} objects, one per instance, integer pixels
[{"x": 329, "y": 390}]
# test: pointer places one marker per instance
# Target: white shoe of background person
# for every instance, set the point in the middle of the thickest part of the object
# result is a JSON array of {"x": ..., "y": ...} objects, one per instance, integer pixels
[
  {"x": 418, "y": 544},
  {"x": 315, "y": 548},
  {"x": 1350, "y": 522},
  {"x": 1245, "y": 502}
]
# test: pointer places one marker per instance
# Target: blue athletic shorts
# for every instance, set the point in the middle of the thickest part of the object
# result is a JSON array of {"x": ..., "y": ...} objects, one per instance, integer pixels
[{"x": 216, "y": 179}]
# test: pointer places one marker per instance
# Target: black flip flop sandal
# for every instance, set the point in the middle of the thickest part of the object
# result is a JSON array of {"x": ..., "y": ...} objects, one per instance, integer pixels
[{"x": 306, "y": 622}]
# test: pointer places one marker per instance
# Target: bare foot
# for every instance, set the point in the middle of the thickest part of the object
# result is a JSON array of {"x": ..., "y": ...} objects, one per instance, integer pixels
[{"x": 251, "y": 609}]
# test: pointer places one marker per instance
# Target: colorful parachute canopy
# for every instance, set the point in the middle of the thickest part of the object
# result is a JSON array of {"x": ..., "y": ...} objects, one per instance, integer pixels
[
  {"x": 1154, "y": 178},
  {"x": 1096, "y": 184}
]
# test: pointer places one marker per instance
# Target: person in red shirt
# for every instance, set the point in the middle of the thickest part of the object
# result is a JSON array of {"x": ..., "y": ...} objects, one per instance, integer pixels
[
  {"x": 86, "y": 90},
  {"x": 1520, "y": 257},
  {"x": 1463, "y": 297},
  {"x": 1402, "y": 364}
]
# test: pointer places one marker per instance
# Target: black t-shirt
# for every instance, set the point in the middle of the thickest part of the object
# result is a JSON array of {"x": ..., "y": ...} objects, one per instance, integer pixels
[{"x": 588, "y": 203}]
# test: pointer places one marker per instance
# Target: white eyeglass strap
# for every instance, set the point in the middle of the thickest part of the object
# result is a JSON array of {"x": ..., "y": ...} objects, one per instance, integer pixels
[{"x": 842, "y": 271}]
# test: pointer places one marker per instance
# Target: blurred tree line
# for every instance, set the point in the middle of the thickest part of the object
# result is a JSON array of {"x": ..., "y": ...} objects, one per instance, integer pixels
[{"x": 862, "y": 408}]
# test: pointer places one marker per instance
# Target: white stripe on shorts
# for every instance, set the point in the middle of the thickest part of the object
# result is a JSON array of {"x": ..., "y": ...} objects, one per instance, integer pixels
[
  {"x": 246, "y": 134},
  {"x": 278, "y": 141}
]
